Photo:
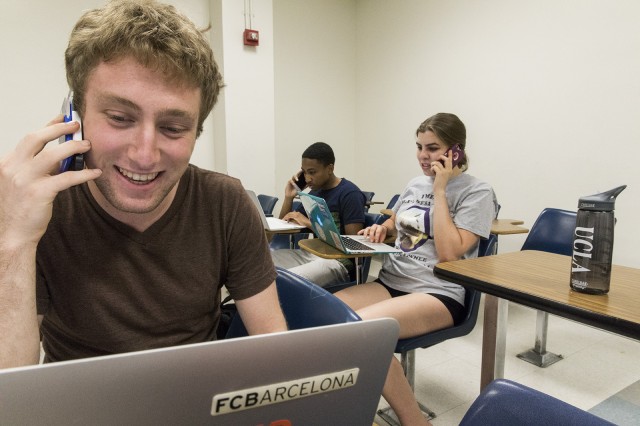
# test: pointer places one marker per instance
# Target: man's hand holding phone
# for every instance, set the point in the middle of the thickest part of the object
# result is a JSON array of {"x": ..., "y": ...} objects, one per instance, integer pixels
[
  {"x": 29, "y": 181},
  {"x": 295, "y": 184},
  {"x": 300, "y": 181}
]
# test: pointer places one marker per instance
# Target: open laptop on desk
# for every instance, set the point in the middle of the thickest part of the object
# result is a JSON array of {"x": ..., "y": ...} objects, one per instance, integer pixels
[
  {"x": 317, "y": 376},
  {"x": 325, "y": 229},
  {"x": 273, "y": 224}
]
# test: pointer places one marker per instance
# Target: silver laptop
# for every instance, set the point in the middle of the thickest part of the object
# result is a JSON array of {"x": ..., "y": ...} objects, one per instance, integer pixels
[
  {"x": 325, "y": 228},
  {"x": 330, "y": 375},
  {"x": 272, "y": 223}
]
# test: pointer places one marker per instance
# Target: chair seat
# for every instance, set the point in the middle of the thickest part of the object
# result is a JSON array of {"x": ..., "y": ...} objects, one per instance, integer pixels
[
  {"x": 472, "y": 300},
  {"x": 504, "y": 402},
  {"x": 304, "y": 305}
]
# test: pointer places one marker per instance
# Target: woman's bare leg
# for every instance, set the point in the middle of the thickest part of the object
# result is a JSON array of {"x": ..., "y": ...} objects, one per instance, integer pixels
[{"x": 417, "y": 314}]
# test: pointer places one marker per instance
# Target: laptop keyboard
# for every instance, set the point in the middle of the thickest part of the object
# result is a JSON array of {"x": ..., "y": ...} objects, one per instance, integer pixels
[{"x": 352, "y": 244}]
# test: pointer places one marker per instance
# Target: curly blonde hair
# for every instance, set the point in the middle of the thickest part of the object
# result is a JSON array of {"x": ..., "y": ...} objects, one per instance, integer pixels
[{"x": 156, "y": 35}]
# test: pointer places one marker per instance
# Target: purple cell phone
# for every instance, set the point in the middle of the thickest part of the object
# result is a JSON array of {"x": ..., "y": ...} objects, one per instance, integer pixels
[{"x": 457, "y": 155}]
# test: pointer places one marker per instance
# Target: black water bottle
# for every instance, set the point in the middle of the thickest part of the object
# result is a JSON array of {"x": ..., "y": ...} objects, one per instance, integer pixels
[{"x": 593, "y": 242}]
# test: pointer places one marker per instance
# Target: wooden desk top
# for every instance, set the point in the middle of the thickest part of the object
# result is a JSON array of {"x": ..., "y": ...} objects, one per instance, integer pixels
[
  {"x": 498, "y": 226},
  {"x": 324, "y": 250},
  {"x": 541, "y": 280},
  {"x": 507, "y": 226}
]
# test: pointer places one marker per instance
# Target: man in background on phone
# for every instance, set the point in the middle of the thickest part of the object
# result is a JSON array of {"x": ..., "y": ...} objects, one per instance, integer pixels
[
  {"x": 131, "y": 252},
  {"x": 346, "y": 203}
]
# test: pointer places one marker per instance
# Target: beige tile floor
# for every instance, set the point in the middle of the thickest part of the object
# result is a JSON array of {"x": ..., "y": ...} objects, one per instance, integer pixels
[{"x": 596, "y": 365}]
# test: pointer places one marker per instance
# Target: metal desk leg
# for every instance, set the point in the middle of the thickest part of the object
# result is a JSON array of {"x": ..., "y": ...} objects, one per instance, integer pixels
[
  {"x": 494, "y": 339},
  {"x": 539, "y": 355},
  {"x": 357, "y": 266}
]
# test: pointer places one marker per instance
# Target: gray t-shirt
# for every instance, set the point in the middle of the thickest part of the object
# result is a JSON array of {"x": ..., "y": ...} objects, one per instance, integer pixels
[{"x": 473, "y": 206}]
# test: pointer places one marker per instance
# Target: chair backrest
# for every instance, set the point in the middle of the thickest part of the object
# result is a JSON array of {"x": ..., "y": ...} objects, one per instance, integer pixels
[
  {"x": 504, "y": 402},
  {"x": 368, "y": 199},
  {"x": 552, "y": 232},
  {"x": 372, "y": 219},
  {"x": 489, "y": 246},
  {"x": 393, "y": 201},
  {"x": 304, "y": 305},
  {"x": 268, "y": 203},
  {"x": 368, "y": 195}
]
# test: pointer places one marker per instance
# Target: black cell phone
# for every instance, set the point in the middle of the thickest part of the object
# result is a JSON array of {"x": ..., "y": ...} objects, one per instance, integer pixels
[
  {"x": 301, "y": 182},
  {"x": 75, "y": 162},
  {"x": 457, "y": 155}
]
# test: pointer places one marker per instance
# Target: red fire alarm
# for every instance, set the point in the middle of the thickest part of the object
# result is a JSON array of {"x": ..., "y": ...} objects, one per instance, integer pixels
[{"x": 251, "y": 37}]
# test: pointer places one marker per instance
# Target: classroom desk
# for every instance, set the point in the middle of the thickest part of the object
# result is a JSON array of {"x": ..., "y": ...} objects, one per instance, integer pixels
[
  {"x": 541, "y": 280},
  {"x": 290, "y": 232},
  {"x": 324, "y": 250},
  {"x": 507, "y": 227}
]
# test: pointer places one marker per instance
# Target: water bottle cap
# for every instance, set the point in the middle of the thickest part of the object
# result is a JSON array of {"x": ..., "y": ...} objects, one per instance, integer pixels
[{"x": 604, "y": 201}]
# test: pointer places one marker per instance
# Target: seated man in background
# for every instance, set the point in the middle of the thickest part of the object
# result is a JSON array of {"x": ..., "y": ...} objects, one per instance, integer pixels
[
  {"x": 131, "y": 252},
  {"x": 346, "y": 203}
]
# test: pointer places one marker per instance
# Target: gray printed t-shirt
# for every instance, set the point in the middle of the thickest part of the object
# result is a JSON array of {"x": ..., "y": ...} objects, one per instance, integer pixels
[{"x": 473, "y": 206}]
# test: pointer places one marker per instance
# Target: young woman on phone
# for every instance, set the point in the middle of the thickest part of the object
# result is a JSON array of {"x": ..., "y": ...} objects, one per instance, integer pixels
[{"x": 440, "y": 216}]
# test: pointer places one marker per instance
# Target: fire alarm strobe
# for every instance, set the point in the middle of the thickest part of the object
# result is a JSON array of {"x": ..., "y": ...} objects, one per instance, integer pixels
[{"x": 251, "y": 37}]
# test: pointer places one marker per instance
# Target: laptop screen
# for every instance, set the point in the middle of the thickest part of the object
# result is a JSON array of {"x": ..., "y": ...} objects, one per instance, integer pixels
[{"x": 324, "y": 375}]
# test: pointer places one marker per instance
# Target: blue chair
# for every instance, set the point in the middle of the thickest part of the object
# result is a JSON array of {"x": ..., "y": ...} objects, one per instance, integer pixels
[
  {"x": 393, "y": 201},
  {"x": 304, "y": 305},
  {"x": 368, "y": 199},
  {"x": 504, "y": 402},
  {"x": 552, "y": 232},
  {"x": 390, "y": 205},
  {"x": 267, "y": 202},
  {"x": 407, "y": 347}
]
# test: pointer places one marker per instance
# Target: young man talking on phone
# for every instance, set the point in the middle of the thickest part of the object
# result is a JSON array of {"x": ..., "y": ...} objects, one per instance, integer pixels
[
  {"x": 131, "y": 252},
  {"x": 346, "y": 203}
]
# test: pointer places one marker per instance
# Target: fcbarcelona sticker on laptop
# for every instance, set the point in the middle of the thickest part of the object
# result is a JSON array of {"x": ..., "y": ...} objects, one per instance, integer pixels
[{"x": 326, "y": 230}]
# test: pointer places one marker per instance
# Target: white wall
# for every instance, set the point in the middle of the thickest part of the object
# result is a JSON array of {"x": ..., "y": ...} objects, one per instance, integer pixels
[
  {"x": 549, "y": 92},
  {"x": 315, "y": 82},
  {"x": 34, "y": 35},
  {"x": 244, "y": 117}
]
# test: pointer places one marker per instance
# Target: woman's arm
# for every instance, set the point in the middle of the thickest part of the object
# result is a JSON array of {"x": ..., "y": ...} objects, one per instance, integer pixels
[{"x": 451, "y": 242}]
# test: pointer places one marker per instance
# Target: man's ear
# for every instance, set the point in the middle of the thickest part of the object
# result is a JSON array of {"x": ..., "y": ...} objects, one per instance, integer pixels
[{"x": 330, "y": 167}]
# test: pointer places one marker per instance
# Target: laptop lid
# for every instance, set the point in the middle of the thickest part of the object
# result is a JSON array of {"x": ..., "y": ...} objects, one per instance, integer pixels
[
  {"x": 271, "y": 223},
  {"x": 316, "y": 376},
  {"x": 324, "y": 227}
]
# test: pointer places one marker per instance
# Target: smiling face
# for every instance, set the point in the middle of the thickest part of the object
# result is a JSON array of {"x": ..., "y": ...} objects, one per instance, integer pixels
[
  {"x": 429, "y": 150},
  {"x": 142, "y": 127}
]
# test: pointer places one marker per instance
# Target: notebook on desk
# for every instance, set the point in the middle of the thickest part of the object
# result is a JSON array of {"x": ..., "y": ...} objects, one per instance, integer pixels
[
  {"x": 273, "y": 224},
  {"x": 317, "y": 376},
  {"x": 326, "y": 230}
]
